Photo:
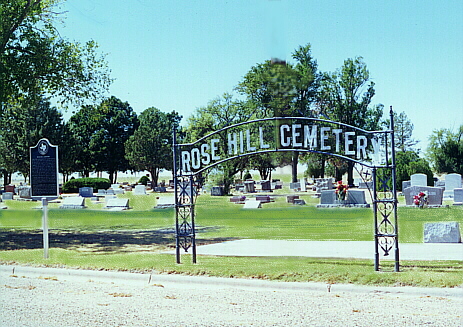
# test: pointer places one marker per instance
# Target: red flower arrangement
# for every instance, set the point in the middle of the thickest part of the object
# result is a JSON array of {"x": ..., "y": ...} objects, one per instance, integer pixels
[
  {"x": 341, "y": 191},
  {"x": 420, "y": 200}
]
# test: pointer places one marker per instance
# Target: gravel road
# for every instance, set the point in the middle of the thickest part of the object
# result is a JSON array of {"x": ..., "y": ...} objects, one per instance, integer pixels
[{"x": 59, "y": 297}]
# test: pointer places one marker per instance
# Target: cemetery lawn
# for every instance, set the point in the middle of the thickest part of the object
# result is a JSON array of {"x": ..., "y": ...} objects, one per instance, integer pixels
[{"x": 134, "y": 240}]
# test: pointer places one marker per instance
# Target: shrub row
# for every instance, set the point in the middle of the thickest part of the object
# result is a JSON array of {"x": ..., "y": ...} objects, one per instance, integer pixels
[{"x": 73, "y": 185}]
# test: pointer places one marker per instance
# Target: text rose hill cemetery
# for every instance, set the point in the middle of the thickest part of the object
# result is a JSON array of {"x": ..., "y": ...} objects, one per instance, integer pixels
[{"x": 342, "y": 140}]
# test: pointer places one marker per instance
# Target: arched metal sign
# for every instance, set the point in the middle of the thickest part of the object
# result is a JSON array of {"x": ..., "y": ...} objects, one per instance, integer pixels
[{"x": 373, "y": 151}]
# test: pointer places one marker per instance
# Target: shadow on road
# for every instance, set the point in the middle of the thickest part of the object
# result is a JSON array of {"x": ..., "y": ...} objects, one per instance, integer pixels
[{"x": 96, "y": 241}]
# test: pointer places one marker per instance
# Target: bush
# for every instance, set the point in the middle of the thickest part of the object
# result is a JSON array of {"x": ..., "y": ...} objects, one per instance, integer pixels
[
  {"x": 73, "y": 185},
  {"x": 143, "y": 180}
]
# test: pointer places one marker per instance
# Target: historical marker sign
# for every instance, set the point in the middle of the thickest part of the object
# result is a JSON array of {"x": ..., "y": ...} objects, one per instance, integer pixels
[{"x": 44, "y": 170}]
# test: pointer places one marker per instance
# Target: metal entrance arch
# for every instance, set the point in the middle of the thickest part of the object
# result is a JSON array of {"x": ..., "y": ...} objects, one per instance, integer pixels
[{"x": 379, "y": 173}]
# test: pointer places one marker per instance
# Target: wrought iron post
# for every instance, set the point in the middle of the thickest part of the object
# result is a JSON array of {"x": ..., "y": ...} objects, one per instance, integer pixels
[
  {"x": 185, "y": 236},
  {"x": 394, "y": 192},
  {"x": 385, "y": 205}
]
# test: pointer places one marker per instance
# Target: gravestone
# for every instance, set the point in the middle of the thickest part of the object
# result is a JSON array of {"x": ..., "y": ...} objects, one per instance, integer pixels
[
  {"x": 439, "y": 183},
  {"x": 300, "y": 202},
  {"x": 139, "y": 190},
  {"x": 160, "y": 189},
  {"x": 322, "y": 184},
  {"x": 263, "y": 198},
  {"x": 240, "y": 199},
  {"x": 7, "y": 196},
  {"x": 434, "y": 195},
  {"x": 165, "y": 202},
  {"x": 419, "y": 180},
  {"x": 10, "y": 188},
  {"x": 249, "y": 187},
  {"x": 73, "y": 202},
  {"x": 44, "y": 170},
  {"x": 110, "y": 192},
  {"x": 447, "y": 232},
  {"x": 295, "y": 186},
  {"x": 217, "y": 191},
  {"x": 458, "y": 196},
  {"x": 303, "y": 186},
  {"x": 291, "y": 198},
  {"x": 355, "y": 198},
  {"x": 452, "y": 181},
  {"x": 252, "y": 204},
  {"x": 101, "y": 192},
  {"x": 25, "y": 192},
  {"x": 328, "y": 197},
  {"x": 118, "y": 191},
  {"x": 86, "y": 192},
  {"x": 117, "y": 204},
  {"x": 406, "y": 184},
  {"x": 265, "y": 185},
  {"x": 109, "y": 197},
  {"x": 115, "y": 186}
]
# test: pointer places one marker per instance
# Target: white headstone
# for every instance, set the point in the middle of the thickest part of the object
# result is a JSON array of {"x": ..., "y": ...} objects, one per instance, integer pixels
[
  {"x": 139, "y": 190},
  {"x": 252, "y": 204},
  {"x": 73, "y": 202},
  {"x": 419, "y": 180},
  {"x": 303, "y": 186},
  {"x": 118, "y": 204},
  {"x": 452, "y": 181},
  {"x": 448, "y": 232},
  {"x": 165, "y": 202},
  {"x": 7, "y": 196}
]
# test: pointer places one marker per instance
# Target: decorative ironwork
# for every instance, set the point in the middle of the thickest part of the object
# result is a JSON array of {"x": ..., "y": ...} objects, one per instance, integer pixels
[{"x": 378, "y": 176}]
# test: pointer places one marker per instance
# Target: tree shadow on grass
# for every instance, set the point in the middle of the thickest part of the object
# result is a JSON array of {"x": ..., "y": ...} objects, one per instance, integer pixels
[{"x": 112, "y": 241}]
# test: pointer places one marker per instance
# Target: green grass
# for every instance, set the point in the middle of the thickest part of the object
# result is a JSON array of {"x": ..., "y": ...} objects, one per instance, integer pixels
[
  {"x": 287, "y": 269},
  {"x": 217, "y": 218}
]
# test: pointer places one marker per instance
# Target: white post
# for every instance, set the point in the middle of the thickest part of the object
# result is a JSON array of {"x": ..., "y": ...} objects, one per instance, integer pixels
[{"x": 45, "y": 227}]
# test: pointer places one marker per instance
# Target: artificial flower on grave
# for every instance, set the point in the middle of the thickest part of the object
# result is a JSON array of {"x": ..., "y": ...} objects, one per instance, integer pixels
[
  {"x": 341, "y": 191},
  {"x": 420, "y": 200}
]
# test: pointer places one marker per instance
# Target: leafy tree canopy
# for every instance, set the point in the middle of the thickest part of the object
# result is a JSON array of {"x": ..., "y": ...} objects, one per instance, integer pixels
[
  {"x": 36, "y": 60},
  {"x": 445, "y": 150}
]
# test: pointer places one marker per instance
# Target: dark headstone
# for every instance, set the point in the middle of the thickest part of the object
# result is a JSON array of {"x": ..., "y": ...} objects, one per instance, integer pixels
[
  {"x": 406, "y": 184},
  {"x": 217, "y": 191},
  {"x": 265, "y": 185},
  {"x": 86, "y": 192},
  {"x": 458, "y": 196},
  {"x": 291, "y": 198},
  {"x": 249, "y": 186},
  {"x": 263, "y": 198}
]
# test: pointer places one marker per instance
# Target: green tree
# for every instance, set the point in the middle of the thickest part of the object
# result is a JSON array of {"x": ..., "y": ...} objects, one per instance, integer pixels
[
  {"x": 445, "y": 150},
  {"x": 219, "y": 113},
  {"x": 150, "y": 147},
  {"x": 345, "y": 96},
  {"x": 23, "y": 124},
  {"x": 35, "y": 59},
  {"x": 280, "y": 89},
  {"x": 409, "y": 163},
  {"x": 116, "y": 122},
  {"x": 403, "y": 130}
]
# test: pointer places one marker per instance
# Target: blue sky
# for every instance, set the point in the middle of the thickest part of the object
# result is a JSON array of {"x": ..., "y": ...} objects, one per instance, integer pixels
[{"x": 179, "y": 55}]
